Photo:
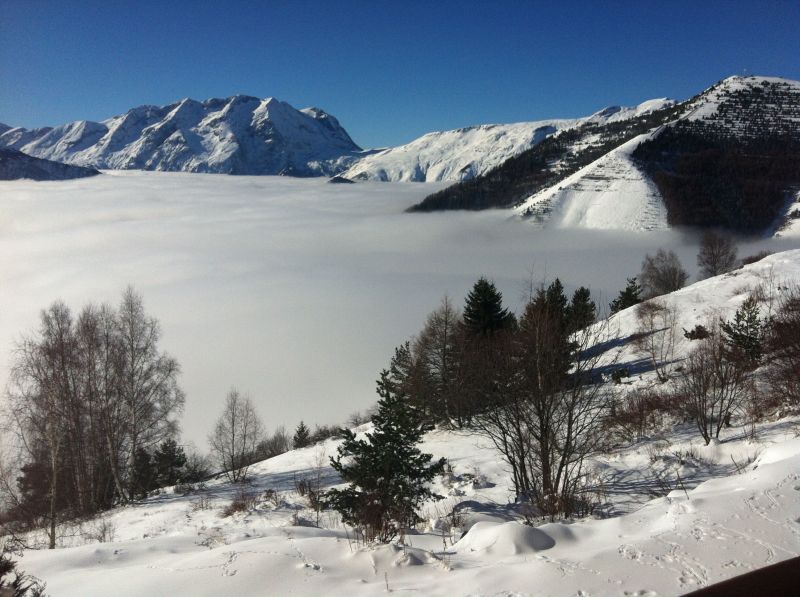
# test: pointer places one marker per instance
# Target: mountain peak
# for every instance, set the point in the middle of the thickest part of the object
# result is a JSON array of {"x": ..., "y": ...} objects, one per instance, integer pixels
[{"x": 241, "y": 134}]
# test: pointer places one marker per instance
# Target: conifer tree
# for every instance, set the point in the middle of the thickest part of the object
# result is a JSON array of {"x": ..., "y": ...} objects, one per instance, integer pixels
[
  {"x": 302, "y": 436},
  {"x": 628, "y": 297},
  {"x": 557, "y": 300},
  {"x": 144, "y": 474},
  {"x": 483, "y": 311},
  {"x": 386, "y": 472},
  {"x": 582, "y": 311},
  {"x": 169, "y": 460},
  {"x": 14, "y": 582},
  {"x": 745, "y": 334}
]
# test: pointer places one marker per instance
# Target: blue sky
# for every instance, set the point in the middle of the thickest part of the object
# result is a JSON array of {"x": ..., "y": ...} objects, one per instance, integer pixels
[{"x": 389, "y": 71}]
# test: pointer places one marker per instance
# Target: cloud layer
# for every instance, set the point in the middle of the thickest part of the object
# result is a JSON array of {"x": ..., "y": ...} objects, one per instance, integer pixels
[{"x": 293, "y": 290}]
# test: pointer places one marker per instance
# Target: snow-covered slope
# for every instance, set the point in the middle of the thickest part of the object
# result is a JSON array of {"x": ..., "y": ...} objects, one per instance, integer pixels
[
  {"x": 15, "y": 165},
  {"x": 455, "y": 155},
  {"x": 237, "y": 135},
  {"x": 714, "y": 298},
  {"x": 614, "y": 193},
  {"x": 463, "y": 154},
  {"x": 609, "y": 193},
  {"x": 734, "y": 510},
  {"x": 745, "y": 106}
]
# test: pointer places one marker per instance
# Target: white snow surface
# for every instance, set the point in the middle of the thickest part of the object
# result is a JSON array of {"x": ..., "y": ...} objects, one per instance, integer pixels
[
  {"x": 737, "y": 510},
  {"x": 465, "y": 153},
  {"x": 610, "y": 193}
]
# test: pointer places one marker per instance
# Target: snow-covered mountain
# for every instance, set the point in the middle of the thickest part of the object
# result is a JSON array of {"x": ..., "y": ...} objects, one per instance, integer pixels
[
  {"x": 460, "y": 154},
  {"x": 15, "y": 165},
  {"x": 463, "y": 154},
  {"x": 613, "y": 172},
  {"x": 237, "y": 135}
]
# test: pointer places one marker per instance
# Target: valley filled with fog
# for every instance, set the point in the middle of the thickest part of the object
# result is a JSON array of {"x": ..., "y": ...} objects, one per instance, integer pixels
[{"x": 293, "y": 290}]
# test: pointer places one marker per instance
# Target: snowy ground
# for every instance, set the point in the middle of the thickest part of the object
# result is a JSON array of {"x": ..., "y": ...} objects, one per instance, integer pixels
[
  {"x": 667, "y": 546},
  {"x": 722, "y": 510}
]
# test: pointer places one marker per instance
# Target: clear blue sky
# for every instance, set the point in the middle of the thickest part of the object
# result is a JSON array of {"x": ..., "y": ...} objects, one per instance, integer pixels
[{"x": 389, "y": 71}]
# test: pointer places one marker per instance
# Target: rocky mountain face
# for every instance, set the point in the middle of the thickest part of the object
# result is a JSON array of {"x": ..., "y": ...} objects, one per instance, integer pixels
[
  {"x": 729, "y": 157},
  {"x": 238, "y": 135},
  {"x": 15, "y": 165}
]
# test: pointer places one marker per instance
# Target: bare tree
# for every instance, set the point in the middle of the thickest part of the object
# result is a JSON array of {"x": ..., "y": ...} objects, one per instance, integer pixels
[
  {"x": 783, "y": 349},
  {"x": 147, "y": 380},
  {"x": 656, "y": 334},
  {"x": 274, "y": 445},
  {"x": 548, "y": 412},
  {"x": 436, "y": 349},
  {"x": 637, "y": 413},
  {"x": 41, "y": 394},
  {"x": 236, "y": 436},
  {"x": 713, "y": 386},
  {"x": 717, "y": 255},
  {"x": 661, "y": 273},
  {"x": 83, "y": 393}
]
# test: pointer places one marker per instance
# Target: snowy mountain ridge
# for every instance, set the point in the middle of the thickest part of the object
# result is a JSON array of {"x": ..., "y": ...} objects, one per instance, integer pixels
[
  {"x": 237, "y": 135},
  {"x": 462, "y": 154},
  {"x": 15, "y": 165},
  {"x": 247, "y": 135},
  {"x": 599, "y": 175}
]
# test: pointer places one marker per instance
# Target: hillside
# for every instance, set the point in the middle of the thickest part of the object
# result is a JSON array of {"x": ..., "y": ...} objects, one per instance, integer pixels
[
  {"x": 677, "y": 515},
  {"x": 547, "y": 164},
  {"x": 237, "y": 135},
  {"x": 455, "y": 155},
  {"x": 463, "y": 154},
  {"x": 15, "y": 165},
  {"x": 726, "y": 158}
]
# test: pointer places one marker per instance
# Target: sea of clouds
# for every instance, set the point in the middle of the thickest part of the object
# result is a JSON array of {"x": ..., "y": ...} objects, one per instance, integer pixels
[{"x": 293, "y": 290}]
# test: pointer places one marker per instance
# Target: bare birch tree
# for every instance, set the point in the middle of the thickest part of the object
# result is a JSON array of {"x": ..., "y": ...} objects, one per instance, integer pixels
[
  {"x": 236, "y": 436},
  {"x": 147, "y": 379}
]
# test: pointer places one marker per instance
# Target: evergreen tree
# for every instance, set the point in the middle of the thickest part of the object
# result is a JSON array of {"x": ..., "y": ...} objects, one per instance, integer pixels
[
  {"x": 582, "y": 311},
  {"x": 401, "y": 368},
  {"x": 169, "y": 460},
  {"x": 407, "y": 377},
  {"x": 546, "y": 319},
  {"x": 484, "y": 312},
  {"x": 628, "y": 297},
  {"x": 557, "y": 300},
  {"x": 302, "y": 436},
  {"x": 14, "y": 582},
  {"x": 745, "y": 334},
  {"x": 143, "y": 475},
  {"x": 386, "y": 472}
]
